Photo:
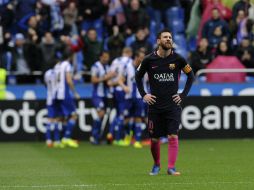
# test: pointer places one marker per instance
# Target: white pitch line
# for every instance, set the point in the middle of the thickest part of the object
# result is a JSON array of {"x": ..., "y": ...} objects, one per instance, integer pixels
[{"x": 126, "y": 184}]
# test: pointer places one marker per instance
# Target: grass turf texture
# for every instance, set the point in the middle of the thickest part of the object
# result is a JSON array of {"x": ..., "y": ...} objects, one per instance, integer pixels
[{"x": 204, "y": 164}]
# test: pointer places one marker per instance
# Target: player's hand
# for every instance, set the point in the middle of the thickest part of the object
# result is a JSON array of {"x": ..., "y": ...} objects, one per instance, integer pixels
[
  {"x": 177, "y": 99},
  {"x": 77, "y": 96},
  {"x": 126, "y": 89},
  {"x": 150, "y": 99}
]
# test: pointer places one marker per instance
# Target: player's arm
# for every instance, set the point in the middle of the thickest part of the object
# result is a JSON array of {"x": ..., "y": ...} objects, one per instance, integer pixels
[
  {"x": 71, "y": 85},
  {"x": 141, "y": 70},
  {"x": 121, "y": 82},
  {"x": 190, "y": 79},
  {"x": 95, "y": 79},
  {"x": 177, "y": 98}
]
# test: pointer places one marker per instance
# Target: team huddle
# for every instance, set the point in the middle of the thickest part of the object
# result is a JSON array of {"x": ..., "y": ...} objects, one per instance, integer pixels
[{"x": 117, "y": 81}]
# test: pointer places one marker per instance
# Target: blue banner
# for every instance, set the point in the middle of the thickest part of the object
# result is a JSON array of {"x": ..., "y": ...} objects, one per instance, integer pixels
[{"x": 38, "y": 92}]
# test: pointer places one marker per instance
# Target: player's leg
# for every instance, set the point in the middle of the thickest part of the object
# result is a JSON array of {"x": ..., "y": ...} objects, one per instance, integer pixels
[
  {"x": 113, "y": 124},
  {"x": 154, "y": 129},
  {"x": 173, "y": 124},
  {"x": 69, "y": 108},
  {"x": 139, "y": 114},
  {"x": 119, "y": 128},
  {"x": 57, "y": 125},
  {"x": 138, "y": 132},
  {"x": 49, "y": 126},
  {"x": 57, "y": 131},
  {"x": 128, "y": 121},
  {"x": 96, "y": 129}
]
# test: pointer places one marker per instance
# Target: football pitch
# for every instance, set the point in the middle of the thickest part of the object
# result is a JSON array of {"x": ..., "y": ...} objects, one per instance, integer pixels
[{"x": 204, "y": 164}]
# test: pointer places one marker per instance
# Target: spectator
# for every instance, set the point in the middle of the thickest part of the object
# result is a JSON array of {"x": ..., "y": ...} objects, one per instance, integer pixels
[
  {"x": 20, "y": 54},
  {"x": 234, "y": 25},
  {"x": 48, "y": 47},
  {"x": 5, "y": 51},
  {"x": 92, "y": 48},
  {"x": 224, "y": 12},
  {"x": 200, "y": 58},
  {"x": 223, "y": 49},
  {"x": 245, "y": 54},
  {"x": 215, "y": 29},
  {"x": 57, "y": 22},
  {"x": 115, "y": 15},
  {"x": 90, "y": 15},
  {"x": 136, "y": 17},
  {"x": 8, "y": 17},
  {"x": 115, "y": 43},
  {"x": 141, "y": 43},
  {"x": 25, "y": 58},
  {"x": 42, "y": 12},
  {"x": 241, "y": 5},
  {"x": 70, "y": 16},
  {"x": 244, "y": 29},
  {"x": 24, "y": 8}
]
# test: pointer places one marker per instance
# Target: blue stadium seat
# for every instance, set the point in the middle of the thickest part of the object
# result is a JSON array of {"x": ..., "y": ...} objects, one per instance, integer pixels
[
  {"x": 153, "y": 27},
  {"x": 183, "y": 52},
  {"x": 175, "y": 13},
  {"x": 180, "y": 41},
  {"x": 105, "y": 44},
  {"x": 129, "y": 40},
  {"x": 181, "y": 45},
  {"x": 177, "y": 26},
  {"x": 192, "y": 44}
]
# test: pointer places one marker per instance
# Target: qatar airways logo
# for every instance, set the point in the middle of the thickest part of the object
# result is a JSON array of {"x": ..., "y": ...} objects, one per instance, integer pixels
[{"x": 164, "y": 77}]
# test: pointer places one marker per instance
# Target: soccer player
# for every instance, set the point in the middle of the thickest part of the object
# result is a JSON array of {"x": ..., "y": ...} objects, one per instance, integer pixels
[
  {"x": 163, "y": 67},
  {"x": 117, "y": 125},
  {"x": 139, "y": 104},
  {"x": 134, "y": 104},
  {"x": 53, "y": 114},
  {"x": 99, "y": 76},
  {"x": 64, "y": 97}
]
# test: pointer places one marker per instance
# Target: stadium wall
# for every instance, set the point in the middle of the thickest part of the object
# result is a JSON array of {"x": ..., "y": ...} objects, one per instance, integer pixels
[{"x": 202, "y": 117}]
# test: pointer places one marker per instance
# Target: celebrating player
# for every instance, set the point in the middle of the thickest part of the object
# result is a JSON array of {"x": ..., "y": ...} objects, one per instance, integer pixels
[
  {"x": 64, "y": 98},
  {"x": 99, "y": 76}
]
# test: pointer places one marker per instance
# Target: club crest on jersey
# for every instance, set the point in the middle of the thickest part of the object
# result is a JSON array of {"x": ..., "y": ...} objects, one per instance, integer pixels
[{"x": 172, "y": 66}]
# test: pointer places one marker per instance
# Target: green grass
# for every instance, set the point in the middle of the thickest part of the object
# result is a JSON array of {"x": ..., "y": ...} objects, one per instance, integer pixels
[{"x": 204, "y": 164}]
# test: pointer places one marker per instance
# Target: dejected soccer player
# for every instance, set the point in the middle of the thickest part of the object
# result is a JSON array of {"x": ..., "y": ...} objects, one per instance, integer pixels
[{"x": 163, "y": 67}]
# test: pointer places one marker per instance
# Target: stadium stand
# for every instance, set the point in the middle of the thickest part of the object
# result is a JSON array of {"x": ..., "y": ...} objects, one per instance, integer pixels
[{"x": 116, "y": 23}]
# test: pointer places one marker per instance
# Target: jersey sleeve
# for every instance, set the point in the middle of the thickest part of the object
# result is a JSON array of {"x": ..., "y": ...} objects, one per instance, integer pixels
[
  {"x": 68, "y": 68},
  {"x": 141, "y": 70},
  {"x": 186, "y": 68},
  {"x": 94, "y": 71}
]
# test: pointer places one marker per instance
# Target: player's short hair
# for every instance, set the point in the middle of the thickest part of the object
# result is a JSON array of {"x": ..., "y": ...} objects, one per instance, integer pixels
[
  {"x": 138, "y": 52},
  {"x": 63, "y": 53},
  {"x": 162, "y": 31},
  {"x": 127, "y": 50},
  {"x": 104, "y": 51}
]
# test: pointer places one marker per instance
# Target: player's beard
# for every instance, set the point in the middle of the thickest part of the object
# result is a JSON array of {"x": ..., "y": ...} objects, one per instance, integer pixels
[{"x": 166, "y": 46}]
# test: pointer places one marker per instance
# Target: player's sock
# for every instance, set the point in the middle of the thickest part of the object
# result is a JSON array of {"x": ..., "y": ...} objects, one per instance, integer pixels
[
  {"x": 69, "y": 128},
  {"x": 129, "y": 127},
  {"x": 49, "y": 126},
  {"x": 155, "y": 150},
  {"x": 119, "y": 129},
  {"x": 96, "y": 129},
  {"x": 172, "y": 151},
  {"x": 112, "y": 126},
  {"x": 57, "y": 132},
  {"x": 138, "y": 131}
]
